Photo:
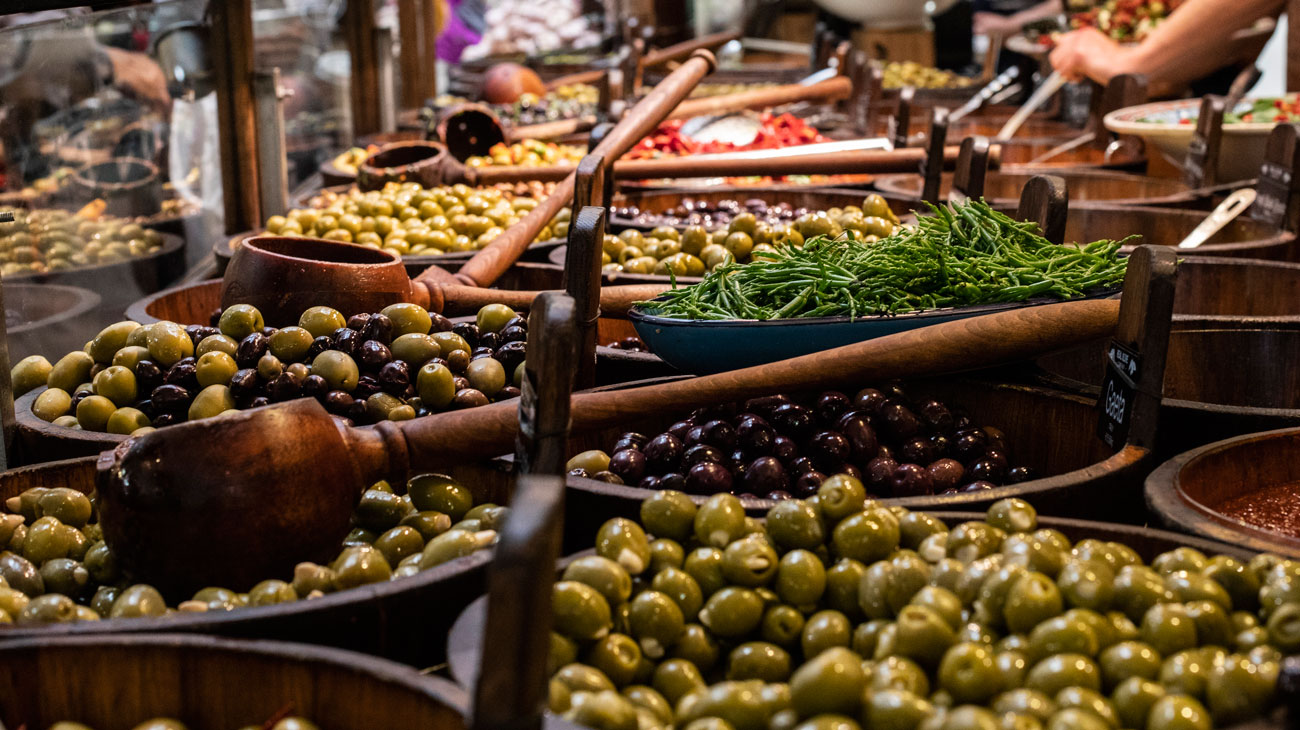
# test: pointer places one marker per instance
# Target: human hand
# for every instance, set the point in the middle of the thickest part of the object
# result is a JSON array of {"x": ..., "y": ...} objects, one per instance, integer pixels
[
  {"x": 986, "y": 23},
  {"x": 139, "y": 77},
  {"x": 1089, "y": 53}
]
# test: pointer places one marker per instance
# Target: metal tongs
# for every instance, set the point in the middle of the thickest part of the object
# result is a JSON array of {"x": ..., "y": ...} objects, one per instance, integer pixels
[
  {"x": 991, "y": 89},
  {"x": 1040, "y": 96}
]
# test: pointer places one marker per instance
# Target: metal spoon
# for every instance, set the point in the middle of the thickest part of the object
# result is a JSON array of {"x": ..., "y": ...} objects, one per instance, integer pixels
[{"x": 1228, "y": 210}]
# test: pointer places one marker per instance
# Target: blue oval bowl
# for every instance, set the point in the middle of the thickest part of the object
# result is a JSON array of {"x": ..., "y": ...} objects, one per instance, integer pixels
[{"x": 703, "y": 347}]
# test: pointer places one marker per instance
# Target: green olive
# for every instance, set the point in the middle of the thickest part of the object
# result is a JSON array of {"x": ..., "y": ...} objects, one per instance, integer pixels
[
  {"x": 319, "y": 321},
  {"x": 360, "y": 565},
  {"x": 168, "y": 343},
  {"x": 111, "y": 339},
  {"x": 831, "y": 682},
  {"x": 486, "y": 375},
  {"x": 241, "y": 320},
  {"x": 290, "y": 344},
  {"x": 126, "y": 421},
  {"x": 436, "y": 385},
  {"x": 668, "y": 514},
  {"x": 138, "y": 600},
  {"x": 51, "y": 404},
  {"x": 603, "y": 574},
  {"x": 337, "y": 368},
  {"x": 720, "y": 520},
  {"x": 415, "y": 348},
  {"x": 71, "y": 370},
  {"x": 30, "y": 373},
  {"x": 493, "y": 317},
  {"x": 93, "y": 412},
  {"x": 449, "y": 342},
  {"x": 211, "y": 401},
  {"x": 580, "y": 612},
  {"x": 130, "y": 355}
]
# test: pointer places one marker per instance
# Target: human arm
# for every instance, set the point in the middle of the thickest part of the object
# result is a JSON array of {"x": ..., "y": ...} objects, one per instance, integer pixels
[
  {"x": 1190, "y": 43},
  {"x": 987, "y": 23}
]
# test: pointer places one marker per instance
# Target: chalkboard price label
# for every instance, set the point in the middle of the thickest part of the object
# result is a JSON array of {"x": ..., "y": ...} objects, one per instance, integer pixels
[
  {"x": 1274, "y": 190},
  {"x": 1118, "y": 389}
]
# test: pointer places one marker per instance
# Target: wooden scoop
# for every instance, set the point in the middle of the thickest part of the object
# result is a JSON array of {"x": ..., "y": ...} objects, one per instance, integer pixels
[
  {"x": 653, "y": 58},
  {"x": 236, "y": 498},
  {"x": 337, "y": 274}
]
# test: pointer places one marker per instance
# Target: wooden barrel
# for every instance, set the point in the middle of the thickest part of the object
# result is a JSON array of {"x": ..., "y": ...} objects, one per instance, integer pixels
[
  {"x": 1225, "y": 293},
  {"x": 1118, "y": 188},
  {"x": 1036, "y": 128},
  {"x": 224, "y": 248},
  {"x": 464, "y": 645},
  {"x": 40, "y": 319},
  {"x": 1083, "y": 477},
  {"x": 1018, "y": 154},
  {"x": 115, "y": 682},
  {"x": 405, "y": 620},
  {"x": 1243, "y": 237},
  {"x": 1189, "y": 491}
]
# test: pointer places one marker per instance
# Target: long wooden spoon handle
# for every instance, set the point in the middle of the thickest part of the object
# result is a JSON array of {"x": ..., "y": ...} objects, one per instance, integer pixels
[
  {"x": 685, "y": 48},
  {"x": 490, "y": 263},
  {"x": 839, "y": 87},
  {"x": 965, "y": 344},
  {"x": 453, "y": 300}
]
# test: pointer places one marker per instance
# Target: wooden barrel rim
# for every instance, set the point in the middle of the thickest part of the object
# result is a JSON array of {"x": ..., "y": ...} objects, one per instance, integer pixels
[
  {"x": 1175, "y": 508},
  {"x": 1278, "y": 237},
  {"x": 896, "y": 185},
  {"x": 28, "y": 423},
  {"x": 172, "y": 244},
  {"x": 223, "y": 249}
]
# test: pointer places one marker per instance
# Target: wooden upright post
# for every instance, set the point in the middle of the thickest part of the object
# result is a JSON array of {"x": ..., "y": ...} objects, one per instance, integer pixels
[
  {"x": 232, "y": 33},
  {"x": 359, "y": 30}
]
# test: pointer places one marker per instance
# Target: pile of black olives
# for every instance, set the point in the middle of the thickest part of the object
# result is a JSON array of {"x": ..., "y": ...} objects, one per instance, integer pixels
[
  {"x": 56, "y": 568},
  {"x": 292, "y": 722},
  {"x": 778, "y": 447},
  {"x": 692, "y": 212},
  {"x": 392, "y": 365}
]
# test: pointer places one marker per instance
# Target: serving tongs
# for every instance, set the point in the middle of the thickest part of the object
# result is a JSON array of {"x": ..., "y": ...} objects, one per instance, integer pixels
[
  {"x": 993, "y": 88},
  {"x": 1040, "y": 96}
]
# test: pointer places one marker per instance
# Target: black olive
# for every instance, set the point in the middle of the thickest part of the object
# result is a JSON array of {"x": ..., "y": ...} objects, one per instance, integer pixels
[
  {"x": 997, "y": 456},
  {"x": 918, "y": 450},
  {"x": 987, "y": 471},
  {"x": 458, "y": 360},
  {"x": 366, "y": 387},
  {"x": 885, "y": 451},
  {"x": 517, "y": 321},
  {"x": 831, "y": 405},
  {"x": 978, "y": 486},
  {"x": 879, "y": 472},
  {"x": 259, "y": 401},
  {"x": 357, "y": 412},
  {"x": 251, "y": 349},
  {"x": 268, "y": 331},
  {"x": 194, "y": 330},
  {"x": 439, "y": 323},
  {"x": 468, "y": 330},
  {"x": 755, "y": 436},
  {"x": 807, "y": 484},
  {"x": 379, "y": 328},
  {"x": 394, "y": 377},
  {"x": 338, "y": 402},
  {"x": 166, "y": 419},
  {"x": 373, "y": 355},
  {"x": 479, "y": 353},
  {"x": 860, "y": 435},
  {"x": 215, "y": 317},
  {"x": 701, "y": 453},
  {"x": 899, "y": 421},
  {"x": 628, "y": 464},
  {"x": 184, "y": 373},
  {"x": 170, "y": 399},
  {"x": 851, "y": 470},
  {"x": 765, "y": 474},
  {"x": 778, "y": 495},
  {"x": 145, "y": 406},
  {"x": 942, "y": 444},
  {"x": 147, "y": 375},
  {"x": 936, "y": 416},
  {"x": 792, "y": 420},
  {"x": 870, "y": 400},
  {"x": 78, "y": 397},
  {"x": 507, "y": 392},
  {"x": 631, "y": 439},
  {"x": 719, "y": 433},
  {"x": 801, "y": 465},
  {"x": 345, "y": 340},
  {"x": 970, "y": 445},
  {"x": 829, "y": 450},
  {"x": 358, "y": 321},
  {"x": 510, "y": 355},
  {"x": 245, "y": 385},
  {"x": 319, "y": 345},
  {"x": 946, "y": 474},
  {"x": 650, "y": 482},
  {"x": 469, "y": 398},
  {"x": 312, "y": 385},
  {"x": 663, "y": 454},
  {"x": 910, "y": 480},
  {"x": 1018, "y": 474},
  {"x": 694, "y": 435},
  {"x": 513, "y": 334},
  {"x": 708, "y": 477},
  {"x": 893, "y": 390},
  {"x": 681, "y": 428},
  {"x": 766, "y": 405},
  {"x": 785, "y": 449},
  {"x": 997, "y": 439},
  {"x": 285, "y": 387}
]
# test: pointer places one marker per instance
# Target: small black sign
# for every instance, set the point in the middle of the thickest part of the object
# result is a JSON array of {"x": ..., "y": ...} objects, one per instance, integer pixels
[
  {"x": 1118, "y": 389},
  {"x": 1194, "y": 163},
  {"x": 1274, "y": 190}
]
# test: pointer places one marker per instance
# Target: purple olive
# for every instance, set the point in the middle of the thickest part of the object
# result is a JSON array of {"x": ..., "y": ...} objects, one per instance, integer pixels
[
  {"x": 251, "y": 349},
  {"x": 490, "y": 340},
  {"x": 338, "y": 402},
  {"x": 755, "y": 436},
  {"x": 899, "y": 421},
  {"x": 147, "y": 375},
  {"x": 942, "y": 444},
  {"x": 244, "y": 384},
  {"x": 439, "y": 323},
  {"x": 649, "y": 483},
  {"x": 884, "y": 451},
  {"x": 1018, "y": 474},
  {"x": 987, "y": 471},
  {"x": 368, "y": 386},
  {"x": 879, "y": 471},
  {"x": 378, "y": 328},
  {"x": 373, "y": 354},
  {"x": 510, "y": 355},
  {"x": 918, "y": 450},
  {"x": 345, "y": 340},
  {"x": 869, "y": 400},
  {"x": 893, "y": 390},
  {"x": 936, "y": 416},
  {"x": 997, "y": 456},
  {"x": 166, "y": 419},
  {"x": 694, "y": 435},
  {"x": 970, "y": 445},
  {"x": 829, "y": 450},
  {"x": 778, "y": 495},
  {"x": 785, "y": 449},
  {"x": 860, "y": 435},
  {"x": 700, "y": 453},
  {"x": 673, "y": 481},
  {"x": 185, "y": 374},
  {"x": 319, "y": 345},
  {"x": 630, "y": 440},
  {"x": 708, "y": 478},
  {"x": 513, "y": 334},
  {"x": 997, "y": 438},
  {"x": 793, "y": 420},
  {"x": 978, "y": 486},
  {"x": 911, "y": 480},
  {"x": 480, "y": 352},
  {"x": 394, "y": 377},
  {"x": 851, "y": 470},
  {"x": 681, "y": 428},
  {"x": 831, "y": 405},
  {"x": 663, "y": 453},
  {"x": 766, "y": 405},
  {"x": 286, "y": 386},
  {"x": 808, "y": 483},
  {"x": 170, "y": 399},
  {"x": 720, "y": 434},
  {"x": 801, "y": 465},
  {"x": 506, "y": 393},
  {"x": 946, "y": 474},
  {"x": 259, "y": 401},
  {"x": 738, "y": 465},
  {"x": 312, "y": 385},
  {"x": 765, "y": 474},
  {"x": 629, "y": 465},
  {"x": 358, "y": 321}
]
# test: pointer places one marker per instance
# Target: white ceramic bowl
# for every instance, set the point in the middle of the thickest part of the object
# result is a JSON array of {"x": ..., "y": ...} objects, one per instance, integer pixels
[
  {"x": 879, "y": 14},
  {"x": 1168, "y": 126}
]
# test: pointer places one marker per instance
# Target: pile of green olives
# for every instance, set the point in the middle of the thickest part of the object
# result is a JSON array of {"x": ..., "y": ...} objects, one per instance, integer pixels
[
  {"x": 48, "y": 239},
  {"x": 910, "y": 73},
  {"x": 841, "y": 613},
  {"x": 408, "y": 219},
  {"x": 697, "y": 249},
  {"x": 292, "y": 722},
  {"x": 56, "y": 568},
  {"x": 392, "y": 365}
]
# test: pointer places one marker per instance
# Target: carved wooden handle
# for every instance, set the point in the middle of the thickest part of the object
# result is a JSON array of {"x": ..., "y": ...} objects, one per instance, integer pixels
[
  {"x": 839, "y": 87},
  {"x": 456, "y": 300}
]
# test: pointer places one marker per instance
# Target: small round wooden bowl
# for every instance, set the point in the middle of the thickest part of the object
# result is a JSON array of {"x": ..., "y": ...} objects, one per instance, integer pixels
[
  {"x": 1186, "y": 492},
  {"x": 120, "y": 282},
  {"x": 415, "y": 161},
  {"x": 46, "y": 318},
  {"x": 1086, "y": 479},
  {"x": 114, "y": 682},
  {"x": 464, "y": 645},
  {"x": 38, "y": 441},
  {"x": 1003, "y": 188},
  {"x": 406, "y": 620}
]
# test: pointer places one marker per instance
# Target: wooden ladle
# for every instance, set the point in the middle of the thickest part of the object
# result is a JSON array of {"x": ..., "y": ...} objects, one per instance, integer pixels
[
  {"x": 305, "y": 260},
  {"x": 232, "y": 499}
]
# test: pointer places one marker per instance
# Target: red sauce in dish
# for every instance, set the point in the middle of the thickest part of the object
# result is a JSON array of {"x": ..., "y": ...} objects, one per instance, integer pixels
[{"x": 1275, "y": 508}]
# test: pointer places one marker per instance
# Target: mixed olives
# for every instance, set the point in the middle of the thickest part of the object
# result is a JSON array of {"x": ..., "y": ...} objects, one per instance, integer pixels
[
  {"x": 48, "y": 239},
  {"x": 910, "y": 73},
  {"x": 529, "y": 153},
  {"x": 839, "y": 613},
  {"x": 56, "y": 568},
  {"x": 392, "y": 365},
  {"x": 777, "y": 447},
  {"x": 729, "y": 231},
  {"x": 292, "y": 722},
  {"x": 570, "y": 101},
  {"x": 407, "y": 219}
]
